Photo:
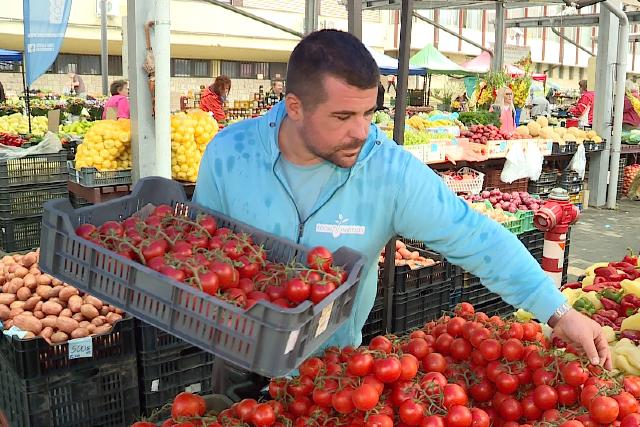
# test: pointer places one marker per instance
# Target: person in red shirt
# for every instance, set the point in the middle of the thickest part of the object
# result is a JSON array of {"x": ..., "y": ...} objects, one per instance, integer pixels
[
  {"x": 630, "y": 116},
  {"x": 583, "y": 109},
  {"x": 214, "y": 96}
]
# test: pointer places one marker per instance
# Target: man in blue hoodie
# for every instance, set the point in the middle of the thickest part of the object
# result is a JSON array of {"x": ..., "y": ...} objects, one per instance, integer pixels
[{"x": 316, "y": 171}]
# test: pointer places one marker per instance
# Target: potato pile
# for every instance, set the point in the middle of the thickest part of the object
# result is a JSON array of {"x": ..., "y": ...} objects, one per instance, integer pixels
[
  {"x": 46, "y": 307},
  {"x": 406, "y": 255},
  {"x": 541, "y": 129}
]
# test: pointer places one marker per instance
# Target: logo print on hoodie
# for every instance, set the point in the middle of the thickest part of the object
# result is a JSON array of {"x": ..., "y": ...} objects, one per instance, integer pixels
[{"x": 340, "y": 227}]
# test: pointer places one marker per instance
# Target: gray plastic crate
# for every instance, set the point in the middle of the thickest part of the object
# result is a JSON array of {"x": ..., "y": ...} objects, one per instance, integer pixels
[
  {"x": 265, "y": 339},
  {"x": 92, "y": 177}
]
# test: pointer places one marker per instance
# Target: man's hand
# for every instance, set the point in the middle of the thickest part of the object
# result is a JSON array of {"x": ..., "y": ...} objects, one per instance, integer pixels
[{"x": 584, "y": 334}]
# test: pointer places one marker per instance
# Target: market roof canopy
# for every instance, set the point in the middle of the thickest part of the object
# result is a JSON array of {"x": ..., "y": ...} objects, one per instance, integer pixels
[
  {"x": 456, "y": 4},
  {"x": 10, "y": 55},
  {"x": 482, "y": 64},
  {"x": 435, "y": 62},
  {"x": 389, "y": 65}
]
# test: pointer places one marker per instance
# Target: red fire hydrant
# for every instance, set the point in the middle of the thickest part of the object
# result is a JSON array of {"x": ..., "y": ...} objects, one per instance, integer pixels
[{"x": 554, "y": 218}]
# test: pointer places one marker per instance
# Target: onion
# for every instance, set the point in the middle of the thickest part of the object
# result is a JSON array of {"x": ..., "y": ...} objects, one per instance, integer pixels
[
  {"x": 486, "y": 194},
  {"x": 506, "y": 197}
]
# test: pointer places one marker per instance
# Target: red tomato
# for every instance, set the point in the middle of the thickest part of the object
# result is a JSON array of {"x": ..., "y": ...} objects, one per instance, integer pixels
[
  {"x": 301, "y": 386},
  {"x": 574, "y": 374},
  {"x": 529, "y": 409},
  {"x": 632, "y": 385},
  {"x": 375, "y": 382},
  {"x": 479, "y": 336},
  {"x": 545, "y": 397},
  {"x": 455, "y": 326},
  {"x": 493, "y": 370},
  {"x": 379, "y": 420},
  {"x": 297, "y": 290},
  {"x": 587, "y": 394},
  {"x": 512, "y": 349},
  {"x": 432, "y": 421},
  {"x": 342, "y": 401},
  {"x": 515, "y": 331},
  {"x": 418, "y": 347},
  {"x": 454, "y": 395},
  {"x": 320, "y": 291},
  {"x": 311, "y": 367},
  {"x": 187, "y": 405},
  {"x": 411, "y": 413},
  {"x": 228, "y": 276},
  {"x": 277, "y": 388},
  {"x": 567, "y": 395},
  {"x": 631, "y": 420},
  {"x": 604, "y": 409},
  {"x": 482, "y": 391},
  {"x": 300, "y": 406},
  {"x": 360, "y": 364},
  {"x": 86, "y": 230},
  {"x": 244, "y": 409},
  {"x": 572, "y": 423},
  {"x": 460, "y": 349},
  {"x": 443, "y": 343},
  {"x": 529, "y": 331},
  {"x": 263, "y": 415},
  {"x": 490, "y": 349},
  {"x": 510, "y": 409},
  {"x": 479, "y": 418},
  {"x": 459, "y": 416},
  {"x": 388, "y": 370},
  {"x": 507, "y": 383},
  {"x": 434, "y": 362},
  {"x": 380, "y": 343},
  {"x": 365, "y": 397},
  {"x": 535, "y": 361},
  {"x": 320, "y": 258},
  {"x": 209, "y": 282},
  {"x": 408, "y": 367},
  {"x": 627, "y": 404},
  {"x": 543, "y": 377}
]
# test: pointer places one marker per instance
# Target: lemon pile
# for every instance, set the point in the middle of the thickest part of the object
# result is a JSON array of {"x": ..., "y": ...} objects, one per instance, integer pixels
[
  {"x": 106, "y": 146},
  {"x": 190, "y": 135},
  {"x": 18, "y": 124}
]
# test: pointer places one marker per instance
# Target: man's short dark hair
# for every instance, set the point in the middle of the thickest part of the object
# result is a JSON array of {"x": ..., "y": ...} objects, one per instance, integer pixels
[
  {"x": 117, "y": 86},
  {"x": 329, "y": 52}
]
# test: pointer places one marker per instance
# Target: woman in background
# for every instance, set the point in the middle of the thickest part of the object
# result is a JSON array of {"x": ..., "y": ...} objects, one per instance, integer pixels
[
  {"x": 119, "y": 100},
  {"x": 214, "y": 97},
  {"x": 505, "y": 109}
]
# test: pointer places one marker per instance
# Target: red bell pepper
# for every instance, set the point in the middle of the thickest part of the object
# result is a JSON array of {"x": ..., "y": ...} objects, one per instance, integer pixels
[
  {"x": 599, "y": 279},
  {"x": 599, "y": 287},
  {"x": 619, "y": 277},
  {"x": 610, "y": 305},
  {"x": 621, "y": 265},
  {"x": 630, "y": 258},
  {"x": 609, "y": 314},
  {"x": 629, "y": 305},
  {"x": 631, "y": 334},
  {"x": 618, "y": 323},
  {"x": 603, "y": 321},
  {"x": 605, "y": 272},
  {"x": 572, "y": 285}
]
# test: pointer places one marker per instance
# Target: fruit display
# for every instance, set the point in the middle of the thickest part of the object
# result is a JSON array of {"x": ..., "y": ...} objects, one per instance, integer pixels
[
  {"x": 511, "y": 202},
  {"x": 497, "y": 214},
  {"x": 630, "y": 173},
  {"x": 540, "y": 128},
  {"x": 11, "y": 140},
  {"x": 18, "y": 124},
  {"x": 404, "y": 255},
  {"x": 77, "y": 129},
  {"x": 479, "y": 117},
  {"x": 461, "y": 371},
  {"x": 106, "y": 146},
  {"x": 43, "y": 306},
  {"x": 190, "y": 134},
  {"x": 381, "y": 118},
  {"x": 481, "y": 134},
  {"x": 434, "y": 119},
  {"x": 216, "y": 260}
]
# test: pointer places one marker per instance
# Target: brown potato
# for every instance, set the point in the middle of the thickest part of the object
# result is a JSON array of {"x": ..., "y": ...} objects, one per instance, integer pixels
[
  {"x": 66, "y": 313},
  {"x": 17, "y": 304},
  {"x": 75, "y": 303},
  {"x": 89, "y": 311},
  {"x": 29, "y": 259},
  {"x": 49, "y": 321},
  {"x": 59, "y": 337},
  {"x": 6, "y": 298},
  {"x": 15, "y": 311},
  {"x": 30, "y": 282},
  {"x": 80, "y": 333},
  {"x": 105, "y": 310},
  {"x": 28, "y": 323},
  {"x": 44, "y": 280},
  {"x": 51, "y": 307},
  {"x": 102, "y": 329},
  {"x": 88, "y": 299},
  {"x": 21, "y": 272},
  {"x": 46, "y": 332},
  {"x": 112, "y": 318},
  {"x": 97, "y": 321},
  {"x": 14, "y": 285},
  {"x": 78, "y": 317},
  {"x": 56, "y": 282},
  {"x": 4, "y": 312},
  {"x": 23, "y": 293},
  {"x": 39, "y": 315},
  {"x": 44, "y": 291},
  {"x": 31, "y": 303},
  {"x": 66, "y": 325}
]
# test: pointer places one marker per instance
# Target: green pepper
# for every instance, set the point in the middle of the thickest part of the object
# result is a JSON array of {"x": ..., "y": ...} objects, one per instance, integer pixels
[
  {"x": 585, "y": 306},
  {"x": 612, "y": 295}
]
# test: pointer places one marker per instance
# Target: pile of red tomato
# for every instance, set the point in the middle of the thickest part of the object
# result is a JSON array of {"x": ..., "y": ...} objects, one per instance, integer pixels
[
  {"x": 463, "y": 371},
  {"x": 216, "y": 260},
  {"x": 11, "y": 140}
]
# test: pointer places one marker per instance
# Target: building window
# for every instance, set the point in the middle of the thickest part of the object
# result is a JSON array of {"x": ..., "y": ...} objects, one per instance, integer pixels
[
  {"x": 230, "y": 69},
  {"x": 85, "y": 64},
  {"x": 571, "y": 72},
  {"x": 247, "y": 70},
  {"x": 561, "y": 72},
  {"x": 277, "y": 70},
  {"x": 581, "y": 73},
  {"x": 115, "y": 65},
  {"x": 190, "y": 67}
]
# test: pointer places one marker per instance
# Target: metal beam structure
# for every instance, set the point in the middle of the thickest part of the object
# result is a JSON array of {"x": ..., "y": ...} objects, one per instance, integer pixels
[
  {"x": 498, "y": 56},
  {"x": 104, "y": 48},
  {"x": 457, "y": 4},
  {"x": 354, "y": 18},
  {"x": 569, "y": 40},
  {"x": 310, "y": 16},
  {"x": 254, "y": 17},
  {"x": 564, "y": 21},
  {"x": 453, "y": 33}
]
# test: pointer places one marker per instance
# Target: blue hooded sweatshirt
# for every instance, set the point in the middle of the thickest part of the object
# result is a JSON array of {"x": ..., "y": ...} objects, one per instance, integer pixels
[{"x": 387, "y": 192}]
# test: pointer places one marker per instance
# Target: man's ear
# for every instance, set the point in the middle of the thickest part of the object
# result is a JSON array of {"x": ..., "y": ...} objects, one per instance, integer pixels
[{"x": 294, "y": 107}]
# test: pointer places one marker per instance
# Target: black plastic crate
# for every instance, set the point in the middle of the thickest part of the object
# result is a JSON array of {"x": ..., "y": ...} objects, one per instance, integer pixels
[
  {"x": 571, "y": 187},
  {"x": 34, "y": 358},
  {"x": 163, "y": 377},
  {"x": 22, "y": 201},
  {"x": 34, "y": 169},
  {"x": 102, "y": 394},
  {"x": 414, "y": 308},
  {"x": 375, "y": 324},
  {"x": 568, "y": 148},
  {"x": 77, "y": 201},
  {"x": 546, "y": 177},
  {"x": 407, "y": 279},
  {"x": 540, "y": 189},
  {"x": 231, "y": 333},
  {"x": 570, "y": 177},
  {"x": 151, "y": 341},
  {"x": 534, "y": 242},
  {"x": 20, "y": 234}
]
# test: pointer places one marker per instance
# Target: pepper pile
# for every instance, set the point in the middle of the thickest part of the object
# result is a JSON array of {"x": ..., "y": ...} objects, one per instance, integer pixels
[{"x": 11, "y": 140}]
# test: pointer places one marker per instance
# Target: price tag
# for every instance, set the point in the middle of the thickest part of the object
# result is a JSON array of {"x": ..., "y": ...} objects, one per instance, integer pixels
[
  {"x": 291, "y": 342},
  {"x": 325, "y": 316},
  {"x": 193, "y": 388},
  {"x": 155, "y": 385},
  {"x": 434, "y": 148},
  {"x": 14, "y": 331},
  {"x": 80, "y": 348},
  {"x": 503, "y": 146}
]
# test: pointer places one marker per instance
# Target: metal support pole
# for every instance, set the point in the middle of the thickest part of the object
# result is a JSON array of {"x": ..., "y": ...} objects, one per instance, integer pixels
[
  {"x": 453, "y": 33},
  {"x": 143, "y": 148},
  {"x": 406, "y": 18},
  {"x": 498, "y": 47},
  {"x": 161, "y": 50},
  {"x": 618, "y": 111},
  {"x": 603, "y": 107},
  {"x": 310, "y": 16},
  {"x": 104, "y": 47},
  {"x": 354, "y": 12},
  {"x": 254, "y": 17},
  {"x": 27, "y": 100},
  {"x": 125, "y": 49},
  {"x": 569, "y": 40}
]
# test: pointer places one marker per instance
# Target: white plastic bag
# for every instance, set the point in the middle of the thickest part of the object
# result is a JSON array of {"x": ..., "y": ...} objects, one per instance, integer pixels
[
  {"x": 49, "y": 145},
  {"x": 534, "y": 160},
  {"x": 579, "y": 161},
  {"x": 515, "y": 166}
]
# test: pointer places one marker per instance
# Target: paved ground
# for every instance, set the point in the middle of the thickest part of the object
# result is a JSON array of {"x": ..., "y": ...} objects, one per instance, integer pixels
[{"x": 604, "y": 235}]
